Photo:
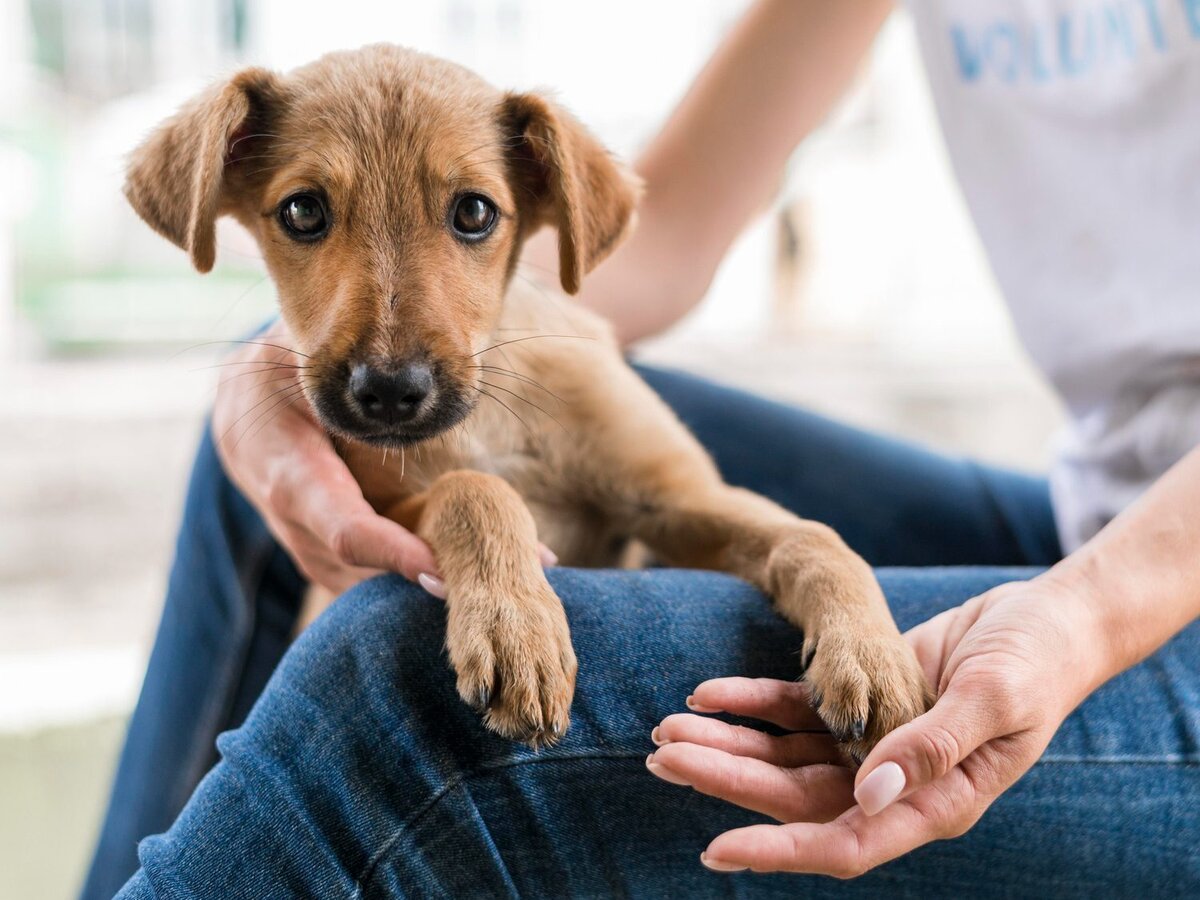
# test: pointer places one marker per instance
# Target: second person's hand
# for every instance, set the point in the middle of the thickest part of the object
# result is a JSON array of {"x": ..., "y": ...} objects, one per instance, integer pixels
[{"x": 1010, "y": 665}]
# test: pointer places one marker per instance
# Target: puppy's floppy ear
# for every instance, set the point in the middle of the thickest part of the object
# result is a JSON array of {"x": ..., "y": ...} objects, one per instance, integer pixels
[
  {"x": 176, "y": 177},
  {"x": 569, "y": 180}
]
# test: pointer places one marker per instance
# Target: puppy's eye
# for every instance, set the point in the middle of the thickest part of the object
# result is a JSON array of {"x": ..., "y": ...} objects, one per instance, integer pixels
[
  {"x": 304, "y": 217},
  {"x": 473, "y": 217}
]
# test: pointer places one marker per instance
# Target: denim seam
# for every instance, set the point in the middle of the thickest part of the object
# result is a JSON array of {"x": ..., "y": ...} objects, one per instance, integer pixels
[{"x": 368, "y": 872}]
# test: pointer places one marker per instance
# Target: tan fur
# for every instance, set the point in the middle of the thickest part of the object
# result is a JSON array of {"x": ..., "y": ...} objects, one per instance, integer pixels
[{"x": 564, "y": 442}]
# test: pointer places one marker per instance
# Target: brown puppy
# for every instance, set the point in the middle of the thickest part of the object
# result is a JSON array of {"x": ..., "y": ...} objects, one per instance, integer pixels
[{"x": 390, "y": 193}]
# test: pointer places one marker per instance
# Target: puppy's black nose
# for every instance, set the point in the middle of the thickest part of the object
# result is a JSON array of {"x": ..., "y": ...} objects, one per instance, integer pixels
[{"x": 393, "y": 395}]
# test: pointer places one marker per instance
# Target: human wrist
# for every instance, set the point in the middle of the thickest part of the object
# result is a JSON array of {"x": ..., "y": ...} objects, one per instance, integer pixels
[{"x": 1096, "y": 624}]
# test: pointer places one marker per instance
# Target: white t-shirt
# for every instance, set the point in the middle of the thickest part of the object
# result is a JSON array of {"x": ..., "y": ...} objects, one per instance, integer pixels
[{"x": 1074, "y": 130}]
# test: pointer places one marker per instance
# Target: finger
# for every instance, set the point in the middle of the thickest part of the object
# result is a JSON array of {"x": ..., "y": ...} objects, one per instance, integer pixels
[
  {"x": 844, "y": 848},
  {"x": 319, "y": 566},
  {"x": 328, "y": 572},
  {"x": 337, "y": 579},
  {"x": 929, "y": 747},
  {"x": 934, "y": 639},
  {"x": 328, "y": 501},
  {"x": 787, "y": 750},
  {"x": 547, "y": 556},
  {"x": 366, "y": 539},
  {"x": 809, "y": 793},
  {"x": 783, "y": 703}
]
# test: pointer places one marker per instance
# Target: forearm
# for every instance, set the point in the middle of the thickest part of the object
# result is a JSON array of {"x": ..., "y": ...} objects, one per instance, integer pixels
[
  {"x": 1139, "y": 578},
  {"x": 720, "y": 156}
]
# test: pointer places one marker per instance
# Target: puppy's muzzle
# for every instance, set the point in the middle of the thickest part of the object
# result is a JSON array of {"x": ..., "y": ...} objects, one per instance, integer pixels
[
  {"x": 390, "y": 402},
  {"x": 391, "y": 396}
]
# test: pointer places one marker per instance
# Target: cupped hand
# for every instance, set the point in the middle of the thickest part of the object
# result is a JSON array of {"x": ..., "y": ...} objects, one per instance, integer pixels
[
  {"x": 284, "y": 463},
  {"x": 1010, "y": 665}
]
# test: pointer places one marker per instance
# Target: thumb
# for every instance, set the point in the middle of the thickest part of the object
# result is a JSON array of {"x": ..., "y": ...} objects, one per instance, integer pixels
[
  {"x": 925, "y": 749},
  {"x": 375, "y": 542}
]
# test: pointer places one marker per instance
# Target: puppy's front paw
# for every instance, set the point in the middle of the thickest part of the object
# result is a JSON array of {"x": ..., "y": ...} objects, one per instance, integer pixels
[
  {"x": 515, "y": 662},
  {"x": 864, "y": 684}
]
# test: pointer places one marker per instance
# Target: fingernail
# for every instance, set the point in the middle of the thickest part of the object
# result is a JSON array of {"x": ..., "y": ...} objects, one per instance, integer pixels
[
  {"x": 664, "y": 773},
  {"x": 880, "y": 788},
  {"x": 549, "y": 558},
  {"x": 717, "y": 866},
  {"x": 696, "y": 707},
  {"x": 657, "y": 737},
  {"x": 435, "y": 586}
]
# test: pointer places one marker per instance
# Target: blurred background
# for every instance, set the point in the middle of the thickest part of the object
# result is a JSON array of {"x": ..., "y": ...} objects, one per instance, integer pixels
[{"x": 861, "y": 292}]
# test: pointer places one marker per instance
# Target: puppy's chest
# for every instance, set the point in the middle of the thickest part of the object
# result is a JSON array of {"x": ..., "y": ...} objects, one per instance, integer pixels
[
  {"x": 576, "y": 530},
  {"x": 480, "y": 445}
]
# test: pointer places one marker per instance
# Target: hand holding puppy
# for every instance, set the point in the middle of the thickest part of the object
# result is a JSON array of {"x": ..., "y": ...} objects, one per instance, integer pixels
[{"x": 285, "y": 464}]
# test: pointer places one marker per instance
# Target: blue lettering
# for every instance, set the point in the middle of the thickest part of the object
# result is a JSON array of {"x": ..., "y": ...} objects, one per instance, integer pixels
[
  {"x": 1154, "y": 23},
  {"x": 1037, "y": 55},
  {"x": 1005, "y": 62},
  {"x": 970, "y": 65},
  {"x": 1118, "y": 35},
  {"x": 1071, "y": 64},
  {"x": 1192, "y": 8}
]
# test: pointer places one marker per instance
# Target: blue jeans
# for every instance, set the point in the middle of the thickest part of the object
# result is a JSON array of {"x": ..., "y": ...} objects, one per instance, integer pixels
[{"x": 358, "y": 770}]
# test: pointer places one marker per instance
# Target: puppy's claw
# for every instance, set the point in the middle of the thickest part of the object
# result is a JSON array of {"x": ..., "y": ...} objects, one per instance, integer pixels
[
  {"x": 517, "y": 669},
  {"x": 864, "y": 685},
  {"x": 806, "y": 655}
]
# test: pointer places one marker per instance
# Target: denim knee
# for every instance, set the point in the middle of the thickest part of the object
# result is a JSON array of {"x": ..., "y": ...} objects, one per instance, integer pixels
[{"x": 385, "y": 637}]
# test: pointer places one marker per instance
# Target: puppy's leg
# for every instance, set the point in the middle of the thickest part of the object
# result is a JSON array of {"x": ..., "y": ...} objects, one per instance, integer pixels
[
  {"x": 506, "y": 630},
  {"x": 657, "y": 481},
  {"x": 865, "y": 680}
]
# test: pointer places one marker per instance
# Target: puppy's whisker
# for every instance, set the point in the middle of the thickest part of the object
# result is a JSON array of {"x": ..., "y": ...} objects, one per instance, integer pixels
[
  {"x": 273, "y": 412},
  {"x": 269, "y": 363},
  {"x": 532, "y": 337},
  {"x": 531, "y": 265},
  {"x": 517, "y": 376},
  {"x": 280, "y": 153},
  {"x": 513, "y": 141},
  {"x": 277, "y": 395},
  {"x": 532, "y": 433},
  {"x": 269, "y": 397},
  {"x": 497, "y": 387},
  {"x": 250, "y": 137},
  {"x": 509, "y": 158},
  {"x": 255, "y": 343},
  {"x": 265, "y": 381},
  {"x": 554, "y": 301}
]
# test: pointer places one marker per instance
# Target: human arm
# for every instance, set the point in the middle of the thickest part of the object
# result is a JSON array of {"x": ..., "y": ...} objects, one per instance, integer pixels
[
  {"x": 720, "y": 156},
  {"x": 1010, "y": 664}
]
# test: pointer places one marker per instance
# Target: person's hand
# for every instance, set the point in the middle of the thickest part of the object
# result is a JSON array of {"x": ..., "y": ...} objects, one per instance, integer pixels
[
  {"x": 1010, "y": 665},
  {"x": 284, "y": 463}
]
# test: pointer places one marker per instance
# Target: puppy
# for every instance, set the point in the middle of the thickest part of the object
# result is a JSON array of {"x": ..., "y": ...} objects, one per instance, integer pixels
[{"x": 390, "y": 194}]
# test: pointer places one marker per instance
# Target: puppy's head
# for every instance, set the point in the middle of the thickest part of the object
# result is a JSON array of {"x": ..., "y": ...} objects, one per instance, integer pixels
[{"x": 390, "y": 193}]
